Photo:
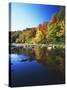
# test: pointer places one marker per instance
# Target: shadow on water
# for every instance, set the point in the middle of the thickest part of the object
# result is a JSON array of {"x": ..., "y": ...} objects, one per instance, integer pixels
[{"x": 37, "y": 66}]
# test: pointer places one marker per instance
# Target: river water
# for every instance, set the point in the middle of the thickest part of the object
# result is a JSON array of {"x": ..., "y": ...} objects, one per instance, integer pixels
[{"x": 36, "y": 66}]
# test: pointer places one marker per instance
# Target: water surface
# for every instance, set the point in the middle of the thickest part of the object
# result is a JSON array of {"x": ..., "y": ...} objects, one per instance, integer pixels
[{"x": 36, "y": 66}]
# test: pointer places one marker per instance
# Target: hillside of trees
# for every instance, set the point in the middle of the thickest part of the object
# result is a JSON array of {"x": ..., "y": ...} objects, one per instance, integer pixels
[{"x": 51, "y": 32}]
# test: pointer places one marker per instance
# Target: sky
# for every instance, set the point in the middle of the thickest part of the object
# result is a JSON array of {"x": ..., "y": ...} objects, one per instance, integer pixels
[{"x": 25, "y": 15}]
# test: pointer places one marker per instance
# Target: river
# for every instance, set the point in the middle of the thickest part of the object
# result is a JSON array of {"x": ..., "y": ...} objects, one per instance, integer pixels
[{"x": 36, "y": 66}]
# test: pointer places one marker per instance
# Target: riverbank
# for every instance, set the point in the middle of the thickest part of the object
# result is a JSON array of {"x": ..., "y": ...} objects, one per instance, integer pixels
[{"x": 25, "y": 45}]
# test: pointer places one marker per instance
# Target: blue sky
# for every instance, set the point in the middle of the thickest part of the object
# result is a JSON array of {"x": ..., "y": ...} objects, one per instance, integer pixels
[{"x": 30, "y": 15}]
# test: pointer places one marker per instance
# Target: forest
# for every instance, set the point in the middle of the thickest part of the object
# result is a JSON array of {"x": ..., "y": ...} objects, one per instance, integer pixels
[{"x": 51, "y": 32}]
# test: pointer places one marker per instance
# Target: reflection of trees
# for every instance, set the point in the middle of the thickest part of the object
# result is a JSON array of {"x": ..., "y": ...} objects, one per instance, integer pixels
[
  {"x": 20, "y": 50},
  {"x": 40, "y": 54},
  {"x": 54, "y": 59}
]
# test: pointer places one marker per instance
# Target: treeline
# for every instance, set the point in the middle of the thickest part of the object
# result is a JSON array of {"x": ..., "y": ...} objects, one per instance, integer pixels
[{"x": 52, "y": 32}]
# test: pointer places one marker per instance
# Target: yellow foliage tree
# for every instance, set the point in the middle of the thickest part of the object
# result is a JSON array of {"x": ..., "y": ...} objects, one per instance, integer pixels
[{"x": 39, "y": 37}]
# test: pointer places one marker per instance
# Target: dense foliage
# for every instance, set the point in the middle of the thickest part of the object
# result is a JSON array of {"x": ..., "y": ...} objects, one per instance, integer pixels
[{"x": 51, "y": 32}]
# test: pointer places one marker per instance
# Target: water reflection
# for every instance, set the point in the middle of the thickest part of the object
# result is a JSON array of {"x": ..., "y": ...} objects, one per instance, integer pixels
[
  {"x": 40, "y": 58},
  {"x": 54, "y": 58}
]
